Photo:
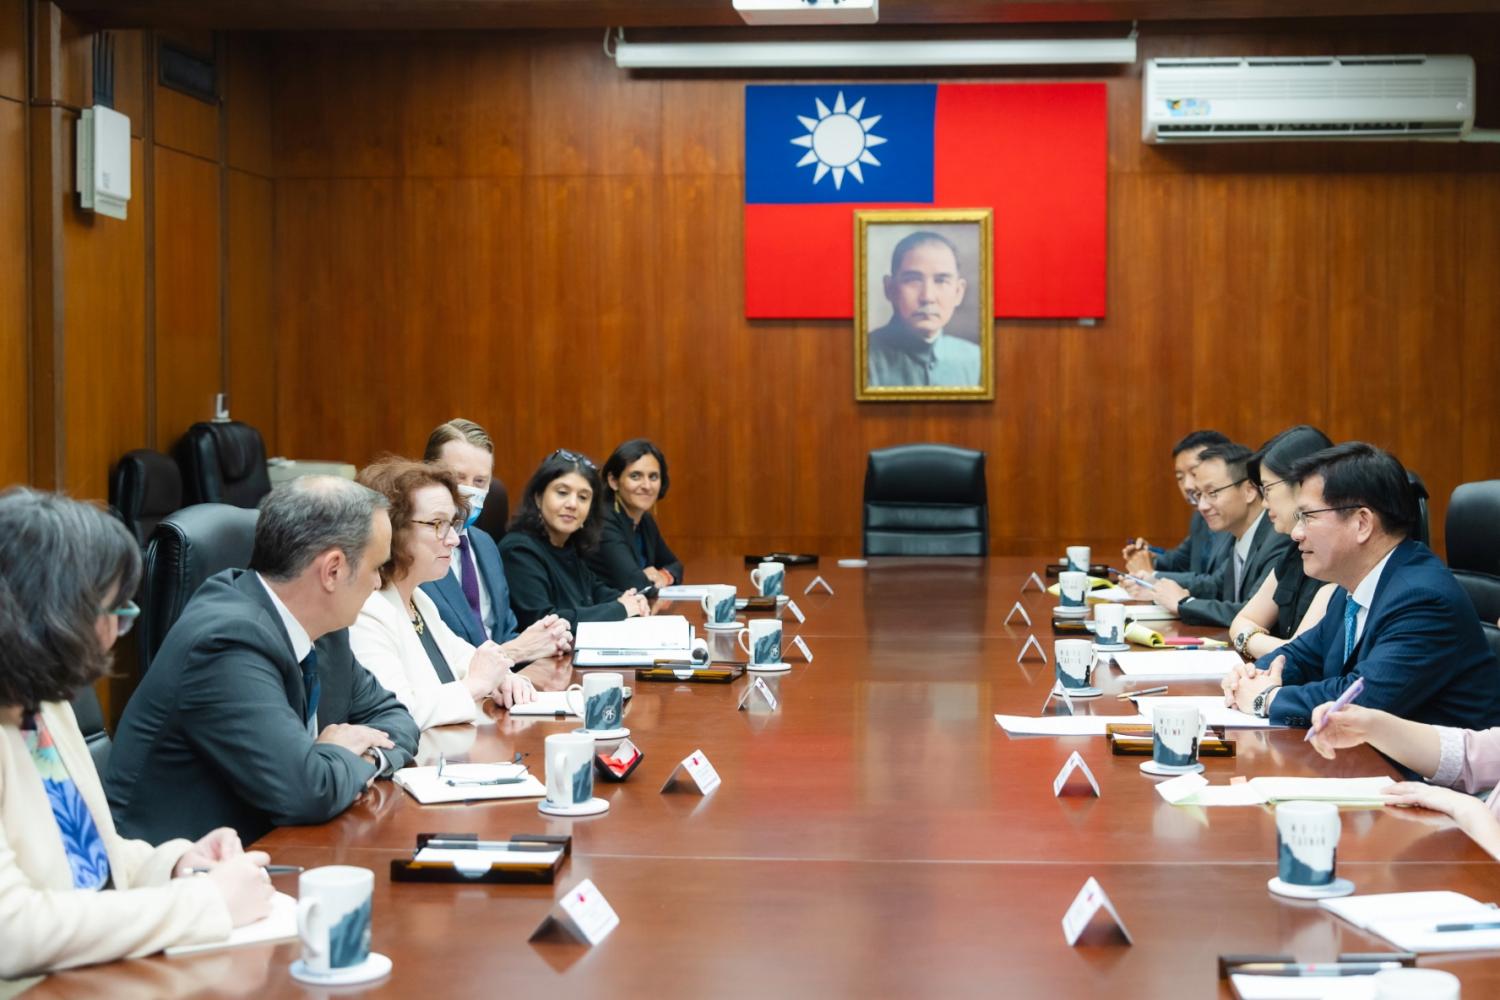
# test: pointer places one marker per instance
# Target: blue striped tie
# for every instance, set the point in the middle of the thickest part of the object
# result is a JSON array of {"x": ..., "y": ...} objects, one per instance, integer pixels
[
  {"x": 310, "y": 686},
  {"x": 1351, "y": 622}
]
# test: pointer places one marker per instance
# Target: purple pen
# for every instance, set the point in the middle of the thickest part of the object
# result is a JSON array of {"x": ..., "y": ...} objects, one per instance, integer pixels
[{"x": 1350, "y": 693}]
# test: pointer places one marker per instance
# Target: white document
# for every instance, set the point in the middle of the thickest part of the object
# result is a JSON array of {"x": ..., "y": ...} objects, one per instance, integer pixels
[
  {"x": 583, "y": 912},
  {"x": 1148, "y": 613},
  {"x": 1065, "y": 725},
  {"x": 632, "y": 642},
  {"x": 1075, "y": 763},
  {"x": 1089, "y": 901},
  {"x": 1409, "y": 920},
  {"x": 1348, "y": 791},
  {"x": 1211, "y": 707},
  {"x": 1177, "y": 664},
  {"x": 547, "y": 703},
  {"x": 1194, "y": 790},
  {"x": 1303, "y": 987},
  {"x": 685, "y": 591},
  {"x": 279, "y": 925},
  {"x": 427, "y": 788},
  {"x": 476, "y": 860},
  {"x": 1110, "y": 595}
]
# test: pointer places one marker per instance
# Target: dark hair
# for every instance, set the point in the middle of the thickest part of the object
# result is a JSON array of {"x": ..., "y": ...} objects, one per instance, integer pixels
[
  {"x": 1278, "y": 454},
  {"x": 306, "y": 517},
  {"x": 1234, "y": 456},
  {"x": 911, "y": 241},
  {"x": 1357, "y": 474},
  {"x": 396, "y": 479},
  {"x": 1198, "y": 439},
  {"x": 628, "y": 454},
  {"x": 528, "y": 516},
  {"x": 59, "y": 561},
  {"x": 457, "y": 429}
]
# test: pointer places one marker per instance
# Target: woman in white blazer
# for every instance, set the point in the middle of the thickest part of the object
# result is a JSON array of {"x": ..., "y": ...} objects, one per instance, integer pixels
[
  {"x": 399, "y": 636},
  {"x": 66, "y": 570}
]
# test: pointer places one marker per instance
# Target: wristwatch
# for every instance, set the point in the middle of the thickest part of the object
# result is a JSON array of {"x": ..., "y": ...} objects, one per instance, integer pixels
[
  {"x": 1243, "y": 637},
  {"x": 1262, "y": 705}
]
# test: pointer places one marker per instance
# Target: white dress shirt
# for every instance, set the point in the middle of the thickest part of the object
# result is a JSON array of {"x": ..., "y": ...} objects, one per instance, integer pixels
[{"x": 1364, "y": 595}]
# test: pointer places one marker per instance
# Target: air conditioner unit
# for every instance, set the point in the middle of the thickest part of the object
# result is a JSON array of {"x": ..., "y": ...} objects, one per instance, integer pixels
[
  {"x": 1334, "y": 97},
  {"x": 103, "y": 173},
  {"x": 807, "y": 12}
]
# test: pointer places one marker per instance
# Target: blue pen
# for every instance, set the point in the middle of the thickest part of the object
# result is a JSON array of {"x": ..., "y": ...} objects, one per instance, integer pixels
[
  {"x": 1135, "y": 579},
  {"x": 1350, "y": 693}
]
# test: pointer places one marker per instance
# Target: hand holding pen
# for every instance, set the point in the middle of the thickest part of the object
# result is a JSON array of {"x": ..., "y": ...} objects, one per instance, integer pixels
[{"x": 1322, "y": 718}]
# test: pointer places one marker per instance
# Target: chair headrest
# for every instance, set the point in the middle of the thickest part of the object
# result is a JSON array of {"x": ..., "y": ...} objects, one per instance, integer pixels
[
  {"x": 925, "y": 473},
  {"x": 187, "y": 548},
  {"x": 1473, "y": 527},
  {"x": 145, "y": 487}
]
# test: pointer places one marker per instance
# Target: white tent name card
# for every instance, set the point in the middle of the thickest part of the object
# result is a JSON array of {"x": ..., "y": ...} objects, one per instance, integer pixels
[
  {"x": 583, "y": 912},
  {"x": 796, "y": 612},
  {"x": 801, "y": 645},
  {"x": 1074, "y": 765},
  {"x": 1089, "y": 901},
  {"x": 695, "y": 771},
  {"x": 758, "y": 691}
]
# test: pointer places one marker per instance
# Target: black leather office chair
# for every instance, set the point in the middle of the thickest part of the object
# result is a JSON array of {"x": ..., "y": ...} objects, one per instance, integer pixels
[
  {"x": 187, "y": 548},
  {"x": 926, "y": 500},
  {"x": 1492, "y": 636},
  {"x": 91, "y": 722},
  {"x": 145, "y": 487},
  {"x": 496, "y": 513},
  {"x": 223, "y": 462},
  {"x": 1473, "y": 530},
  {"x": 1424, "y": 526}
]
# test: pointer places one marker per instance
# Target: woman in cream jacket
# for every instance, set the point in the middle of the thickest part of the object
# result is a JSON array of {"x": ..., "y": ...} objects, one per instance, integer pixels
[{"x": 72, "y": 891}]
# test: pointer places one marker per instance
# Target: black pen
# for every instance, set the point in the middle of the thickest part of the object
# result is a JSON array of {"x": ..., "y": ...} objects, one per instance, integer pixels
[
  {"x": 269, "y": 869},
  {"x": 1312, "y": 968},
  {"x": 1488, "y": 925}
]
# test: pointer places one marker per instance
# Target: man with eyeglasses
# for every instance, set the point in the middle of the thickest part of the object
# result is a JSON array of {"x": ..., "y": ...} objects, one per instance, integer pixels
[
  {"x": 1399, "y": 619},
  {"x": 1195, "y": 562},
  {"x": 1229, "y": 503}
]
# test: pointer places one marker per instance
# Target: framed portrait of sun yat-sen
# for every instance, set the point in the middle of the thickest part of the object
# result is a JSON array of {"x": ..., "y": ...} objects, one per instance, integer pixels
[{"x": 924, "y": 316}]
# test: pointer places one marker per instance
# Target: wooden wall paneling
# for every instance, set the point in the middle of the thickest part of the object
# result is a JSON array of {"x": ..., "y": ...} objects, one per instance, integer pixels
[
  {"x": 587, "y": 116},
  {"x": 463, "y": 108},
  {"x": 183, "y": 123},
  {"x": 62, "y": 57},
  {"x": 103, "y": 401},
  {"x": 250, "y": 297},
  {"x": 13, "y": 49},
  {"x": 247, "y": 104},
  {"x": 51, "y": 131},
  {"x": 1478, "y": 345},
  {"x": 130, "y": 81},
  {"x": 359, "y": 136},
  {"x": 15, "y": 390},
  {"x": 187, "y": 320}
]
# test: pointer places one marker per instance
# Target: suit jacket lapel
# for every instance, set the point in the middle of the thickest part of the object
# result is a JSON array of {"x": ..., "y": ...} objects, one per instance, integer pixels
[
  {"x": 249, "y": 585},
  {"x": 1400, "y": 555}
]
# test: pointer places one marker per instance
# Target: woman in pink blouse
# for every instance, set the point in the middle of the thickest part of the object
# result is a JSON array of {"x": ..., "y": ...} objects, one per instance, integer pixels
[{"x": 1455, "y": 761}]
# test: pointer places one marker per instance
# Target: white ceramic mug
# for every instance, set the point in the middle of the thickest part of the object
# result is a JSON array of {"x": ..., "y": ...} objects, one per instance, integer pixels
[
  {"x": 333, "y": 916},
  {"x": 768, "y": 577},
  {"x": 1073, "y": 590},
  {"x": 1109, "y": 624},
  {"x": 765, "y": 640},
  {"x": 1307, "y": 840},
  {"x": 1078, "y": 558},
  {"x": 599, "y": 701},
  {"x": 718, "y": 604},
  {"x": 1073, "y": 662},
  {"x": 1175, "y": 731},
  {"x": 570, "y": 768}
]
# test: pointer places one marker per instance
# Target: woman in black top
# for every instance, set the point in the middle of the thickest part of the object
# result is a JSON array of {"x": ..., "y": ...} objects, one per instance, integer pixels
[
  {"x": 556, "y": 525},
  {"x": 1289, "y": 602},
  {"x": 631, "y": 552}
]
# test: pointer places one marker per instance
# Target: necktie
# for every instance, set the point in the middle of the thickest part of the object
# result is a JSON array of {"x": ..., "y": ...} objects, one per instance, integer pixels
[
  {"x": 469, "y": 580},
  {"x": 1351, "y": 622},
  {"x": 310, "y": 685},
  {"x": 1239, "y": 574}
]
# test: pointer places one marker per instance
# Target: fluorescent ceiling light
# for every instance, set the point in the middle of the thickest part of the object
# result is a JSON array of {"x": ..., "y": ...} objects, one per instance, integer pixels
[{"x": 770, "y": 55}]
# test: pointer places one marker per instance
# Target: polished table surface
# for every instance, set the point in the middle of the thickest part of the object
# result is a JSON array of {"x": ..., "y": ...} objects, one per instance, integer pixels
[{"x": 879, "y": 834}]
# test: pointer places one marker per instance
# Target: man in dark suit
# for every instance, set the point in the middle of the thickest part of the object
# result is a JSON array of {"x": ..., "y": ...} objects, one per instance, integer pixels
[
  {"x": 1398, "y": 619},
  {"x": 474, "y": 598},
  {"x": 255, "y": 714},
  {"x": 1230, "y": 503},
  {"x": 1195, "y": 561}
]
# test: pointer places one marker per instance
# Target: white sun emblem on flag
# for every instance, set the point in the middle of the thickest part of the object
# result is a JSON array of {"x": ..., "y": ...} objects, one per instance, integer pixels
[{"x": 838, "y": 141}]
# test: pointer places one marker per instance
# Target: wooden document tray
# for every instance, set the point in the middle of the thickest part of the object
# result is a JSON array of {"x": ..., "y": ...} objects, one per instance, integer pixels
[
  {"x": 408, "y": 870},
  {"x": 1134, "y": 740}
]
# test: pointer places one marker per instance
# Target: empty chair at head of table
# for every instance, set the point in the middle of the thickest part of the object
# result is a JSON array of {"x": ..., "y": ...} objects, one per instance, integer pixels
[
  {"x": 223, "y": 461},
  {"x": 187, "y": 548},
  {"x": 1473, "y": 540},
  {"x": 145, "y": 486},
  {"x": 926, "y": 499}
]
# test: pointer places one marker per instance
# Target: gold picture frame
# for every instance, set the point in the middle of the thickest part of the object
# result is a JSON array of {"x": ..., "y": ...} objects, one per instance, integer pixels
[{"x": 929, "y": 329}]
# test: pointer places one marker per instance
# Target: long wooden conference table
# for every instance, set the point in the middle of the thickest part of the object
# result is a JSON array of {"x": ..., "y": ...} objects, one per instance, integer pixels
[{"x": 877, "y": 835}]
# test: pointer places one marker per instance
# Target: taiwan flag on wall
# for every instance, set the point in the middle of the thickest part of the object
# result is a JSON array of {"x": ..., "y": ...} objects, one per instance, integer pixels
[{"x": 1034, "y": 153}]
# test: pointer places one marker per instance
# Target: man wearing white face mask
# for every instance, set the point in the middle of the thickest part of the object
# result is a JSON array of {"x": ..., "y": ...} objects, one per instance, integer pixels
[{"x": 474, "y": 599}]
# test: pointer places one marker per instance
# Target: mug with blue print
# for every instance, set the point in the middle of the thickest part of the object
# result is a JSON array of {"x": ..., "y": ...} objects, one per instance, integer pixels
[
  {"x": 570, "y": 769},
  {"x": 718, "y": 604},
  {"x": 333, "y": 917},
  {"x": 1073, "y": 662},
  {"x": 764, "y": 636},
  {"x": 600, "y": 701},
  {"x": 1078, "y": 558},
  {"x": 1307, "y": 840},
  {"x": 1073, "y": 589},
  {"x": 768, "y": 578},
  {"x": 1175, "y": 732}
]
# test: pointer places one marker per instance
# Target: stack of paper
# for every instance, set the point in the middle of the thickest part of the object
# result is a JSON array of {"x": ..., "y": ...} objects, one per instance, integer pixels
[
  {"x": 1211, "y": 707},
  {"x": 684, "y": 592},
  {"x": 632, "y": 642},
  {"x": 1178, "y": 664},
  {"x": 279, "y": 925},
  {"x": 547, "y": 703},
  {"x": 1303, "y": 987},
  {"x": 1148, "y": 613},
  {"x": 1064, "y": 725},
  {"x": 475, "y": 859},
  {"x": 463, "y": 783},
  {"x": 1194, "y": 790},
  {"x": 1410, "y": 920}
]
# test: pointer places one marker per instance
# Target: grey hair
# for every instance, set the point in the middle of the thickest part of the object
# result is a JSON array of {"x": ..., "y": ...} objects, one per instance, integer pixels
[
  {"x": 306, "y": 517},
  {"x": 61, "y": 561}
]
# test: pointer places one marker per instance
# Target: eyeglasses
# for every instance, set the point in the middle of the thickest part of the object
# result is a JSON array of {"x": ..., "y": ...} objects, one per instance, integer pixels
[
  {"x": 1306, "y": 516},
  {"x": 573, "y": 456},
  {"x": 1213, "y": 494},
  {"x": 453, "y": 782},
  {"x": 127, "y": 613},
  {"x": 1266, "y": 487},
  {"x": 443, "y": 525}
]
